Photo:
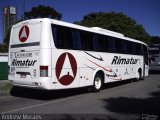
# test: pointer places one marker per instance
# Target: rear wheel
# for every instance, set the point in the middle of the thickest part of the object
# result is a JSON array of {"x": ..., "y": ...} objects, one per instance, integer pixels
[
  {"x": 138, "y": 75},
  {"x": 98, "y": 83}
]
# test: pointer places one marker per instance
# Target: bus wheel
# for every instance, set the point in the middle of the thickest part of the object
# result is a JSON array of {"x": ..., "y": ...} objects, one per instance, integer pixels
[
  {"x": 98, "y": 83},
  {"x": 138, "y": 75}
]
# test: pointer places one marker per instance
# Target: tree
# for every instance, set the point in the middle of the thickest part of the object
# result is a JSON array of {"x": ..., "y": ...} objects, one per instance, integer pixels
[
  {"x": 155, "y": 40},
  {"x": 43, "y": 12},
  {"x": 117, "y": 22},
  {"x": 36, "y": 12},
  {"x": 7, "y": 37},
  {"x": 3, "y": 47}
]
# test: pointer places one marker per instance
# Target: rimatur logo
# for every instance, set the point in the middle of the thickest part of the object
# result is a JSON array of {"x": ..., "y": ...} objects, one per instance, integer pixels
[
  {"x": 66, "y": 68},
  {"x": 24, "y": 33}
]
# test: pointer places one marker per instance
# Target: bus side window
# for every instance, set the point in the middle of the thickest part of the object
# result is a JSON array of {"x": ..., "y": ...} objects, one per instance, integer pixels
[
  {"x": 58, "y": 35},
  {"x": 145, "y": 53},
  {"x": 67, "y": 41},
  {"x": 62, "y": 37},
  {"x": 100, "y": 43},
  {"x": 76, "y": 40},
  {"x": 139, "y": 50},
  {"x": 112, "y": 47},
  {"x": 129, "y": 50},
  {"x": 106, "y": 44},
  {"x": 54, "y": 34},
  {"x": 118, "y": 45},
  {"x": 134, "y": 48},
  {"x": 83, "y": 40},
  {"x": 89, "y": 41},
  {"x": 94, "y": 42},
  {"x": 124, "y": 46},
  {"x": 79, "y": 41}
]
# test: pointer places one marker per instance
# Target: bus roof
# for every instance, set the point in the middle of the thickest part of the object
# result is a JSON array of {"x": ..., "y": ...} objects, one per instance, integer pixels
[
  {"x": 96, "y": 30},
  {"x": 90, "y": 29}
]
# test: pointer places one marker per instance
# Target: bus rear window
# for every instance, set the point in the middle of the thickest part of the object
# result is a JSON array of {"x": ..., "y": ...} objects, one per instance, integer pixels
[{"x": 25, "y": 35}]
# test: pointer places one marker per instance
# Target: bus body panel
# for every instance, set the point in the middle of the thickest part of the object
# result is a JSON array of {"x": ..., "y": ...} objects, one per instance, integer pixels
[
  {"x": 88, "y": 66},
  {"x": 29, "y": 52},
  {"x": 36, "y": 62},
  {"x": 65, "y": 68}
]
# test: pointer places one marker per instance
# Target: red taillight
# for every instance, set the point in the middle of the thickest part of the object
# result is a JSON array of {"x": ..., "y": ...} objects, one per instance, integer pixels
[{"x": 43, "y": 71}]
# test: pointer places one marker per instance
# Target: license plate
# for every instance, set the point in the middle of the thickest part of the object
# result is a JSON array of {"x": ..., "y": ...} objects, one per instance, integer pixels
[{"x": 23, "y": 76}]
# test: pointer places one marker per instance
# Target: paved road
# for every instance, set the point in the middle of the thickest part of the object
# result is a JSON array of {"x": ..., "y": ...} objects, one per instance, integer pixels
[{"x": 119, "y": 100}]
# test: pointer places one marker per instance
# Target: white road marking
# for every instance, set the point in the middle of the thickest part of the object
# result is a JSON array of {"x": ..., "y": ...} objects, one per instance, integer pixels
[{"x": 52, "y": 102}]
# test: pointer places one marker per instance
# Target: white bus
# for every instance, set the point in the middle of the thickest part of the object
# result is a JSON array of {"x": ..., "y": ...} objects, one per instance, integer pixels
[{"x": 50, "y": 54}]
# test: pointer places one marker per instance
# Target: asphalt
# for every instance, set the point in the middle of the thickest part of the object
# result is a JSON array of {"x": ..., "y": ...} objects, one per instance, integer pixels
[
  {"x": 127, "y": 98},
  {"x": 123, "y": 100}
]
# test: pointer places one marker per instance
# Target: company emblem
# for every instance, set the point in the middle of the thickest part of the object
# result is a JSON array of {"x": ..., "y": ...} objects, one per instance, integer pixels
[
  {"x": 24, "y": 33},
  {"x": 66, "y": 68}
]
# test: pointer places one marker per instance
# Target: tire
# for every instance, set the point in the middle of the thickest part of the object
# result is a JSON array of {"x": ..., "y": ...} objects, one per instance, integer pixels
[
  {"x": 98, "y": 83},
  {"x": 138, "y": 76}
]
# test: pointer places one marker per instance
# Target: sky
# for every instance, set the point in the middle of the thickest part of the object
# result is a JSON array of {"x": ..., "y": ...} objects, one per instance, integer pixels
[{"x": 145, "y": 12}]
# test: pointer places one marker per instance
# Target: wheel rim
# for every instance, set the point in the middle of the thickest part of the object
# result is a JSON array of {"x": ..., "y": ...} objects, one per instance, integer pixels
[
  {"x": 138, "y": 75},
  {"x": 98, "y": 83}
]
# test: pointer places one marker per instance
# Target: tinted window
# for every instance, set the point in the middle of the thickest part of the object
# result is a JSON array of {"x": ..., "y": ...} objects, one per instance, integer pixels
[
  {"x": 70, "y": 38},
  {"x": 129, "y": 46},
  {"x": 139, "y": 50},
  {"x": 124, "y": 47},
  {"x": 145, "y": 53},
  {"x": 112, "y": 46},
  {"x": 89, "y": 39},
  {"x": 101, "y": 43},
  {"x": 62, "y": 37},
  {"x": 118, "y": 45},
  {"x": 133, "y": 49},
  {"x": 76, "y": 40}
]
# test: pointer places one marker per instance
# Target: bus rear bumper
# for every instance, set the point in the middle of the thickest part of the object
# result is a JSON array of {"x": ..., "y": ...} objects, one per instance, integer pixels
[{"x": 35, "y": 84}]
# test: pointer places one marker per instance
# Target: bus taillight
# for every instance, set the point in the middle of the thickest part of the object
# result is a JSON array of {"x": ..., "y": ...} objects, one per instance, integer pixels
[{"x": 43, "y": 71}]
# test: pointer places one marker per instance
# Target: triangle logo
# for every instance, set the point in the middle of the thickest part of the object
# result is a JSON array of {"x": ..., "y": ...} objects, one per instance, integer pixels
[
  {"x": 66, "y": 68},
  {"x": 24, "y": 33}
]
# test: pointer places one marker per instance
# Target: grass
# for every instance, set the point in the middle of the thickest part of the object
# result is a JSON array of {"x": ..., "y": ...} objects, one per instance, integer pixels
[{"x": 5, "y": 87}]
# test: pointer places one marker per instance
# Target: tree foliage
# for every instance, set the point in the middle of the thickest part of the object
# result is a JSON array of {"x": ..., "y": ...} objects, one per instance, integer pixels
[
  {"x": 3, "y": 47},
  {"x": 155, "y": 40},
  {"x": 6, "y": 39},
  {"x": 36, "y": 12},
  {"x": 43, "y": 12},
  {"x": 117, "y": 22}
]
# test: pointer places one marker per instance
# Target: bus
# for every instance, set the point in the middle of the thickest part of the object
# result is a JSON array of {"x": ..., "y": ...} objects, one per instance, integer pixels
[
  {"x": 154, "y": 57},
  {"x": 50, "y": 54}
]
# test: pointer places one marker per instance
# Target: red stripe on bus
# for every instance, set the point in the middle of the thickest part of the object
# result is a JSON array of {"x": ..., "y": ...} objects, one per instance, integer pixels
[{"x": 109, "y": 70}]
